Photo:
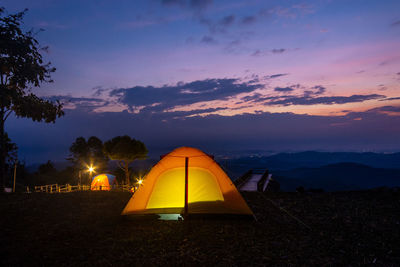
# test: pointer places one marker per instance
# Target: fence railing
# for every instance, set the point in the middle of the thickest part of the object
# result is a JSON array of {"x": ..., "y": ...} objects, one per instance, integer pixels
[{"x": 56, "y": 188}]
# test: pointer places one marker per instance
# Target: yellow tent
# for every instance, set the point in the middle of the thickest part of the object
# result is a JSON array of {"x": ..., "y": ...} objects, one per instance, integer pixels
[{"x": 187, "y": 181}]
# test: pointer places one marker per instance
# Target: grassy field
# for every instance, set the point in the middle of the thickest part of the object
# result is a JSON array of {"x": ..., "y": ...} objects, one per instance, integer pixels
[{"x": 347, "y": 228}]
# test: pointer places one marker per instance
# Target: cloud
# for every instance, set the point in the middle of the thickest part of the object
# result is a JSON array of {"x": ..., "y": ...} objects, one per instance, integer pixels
[
  {"x": 311, "y": 96},
  {"x": 252, "y": 98},
  {"x": 98, "y": 91},
  {"x": 194, "y": 112},
  {"x": 292, "y": 12},
  {"x": 278, "y": 51},
  {"x": 200, "y": 3},
  {"x": 325, "y": 100},
  {"x": 257, "y": 53},
  {"x": 196, "y": 4},
  {"x": 166, "y": 99},
  {"x": 284, "y": 12},
  {"x": 390, "y": 98},
  {"x": 158, "y": 99},
  {"x": 208, "y": 40},
  {"x": 227, "y": 21},
  {"x": 87, "y": 103},
  {"x": 304, "y": 8},
  {"x": 248, "y": 20},
  {"x": 219, "y": 26},
  {"x": 71, "y": 99},
  {"x": 174, "y": 99},
  {"x": 275, "y": 76},
  {"x": 233, "y": 46},
  {"x": 395, "y": 24},
  {"x": 386, "y": 109},
  {"x": 283, "y": 89},
  {"x": 319, "y": 89}
]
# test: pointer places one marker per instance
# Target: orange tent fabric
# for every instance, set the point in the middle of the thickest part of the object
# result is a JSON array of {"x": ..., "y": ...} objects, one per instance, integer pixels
[
  {"x": 102, "y": 182},
  {"x": 210, "y": 190}
]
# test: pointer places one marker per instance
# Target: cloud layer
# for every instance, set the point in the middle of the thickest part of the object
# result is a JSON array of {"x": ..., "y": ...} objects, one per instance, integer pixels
[
  {"x": 213, "y": 96},
  {"x": 166, "y": 97}
]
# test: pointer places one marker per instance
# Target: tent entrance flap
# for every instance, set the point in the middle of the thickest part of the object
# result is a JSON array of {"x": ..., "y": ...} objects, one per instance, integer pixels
[{"x": 169, "y": 190}]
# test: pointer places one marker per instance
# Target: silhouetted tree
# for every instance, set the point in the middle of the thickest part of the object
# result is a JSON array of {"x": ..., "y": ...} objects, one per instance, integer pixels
[
  {"x": 48, "y": 174},
  {"x": 11, "y": 156},
  {"x": 124, "y": 150},
  {"x": 90, "y": 152},
  {"x": 21, "y": 67},
  {"x": 11, "y": 150},
  {"x": 47, "y": 167},
  {"x": 45, "y": 174}
]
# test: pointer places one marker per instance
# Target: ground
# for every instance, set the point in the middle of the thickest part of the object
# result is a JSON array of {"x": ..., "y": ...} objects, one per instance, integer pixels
[{"x": 85, "y": 228}]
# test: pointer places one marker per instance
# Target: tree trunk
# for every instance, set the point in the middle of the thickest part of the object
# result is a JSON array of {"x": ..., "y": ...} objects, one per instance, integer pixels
[
  {"x": 127, "y": 172},
  {"x": 3, "y": 152}
]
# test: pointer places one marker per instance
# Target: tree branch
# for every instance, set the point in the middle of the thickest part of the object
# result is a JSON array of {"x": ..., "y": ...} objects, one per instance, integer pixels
[
  {"x": 119, "y": 163},
  {"x": 8, "y": 114}
]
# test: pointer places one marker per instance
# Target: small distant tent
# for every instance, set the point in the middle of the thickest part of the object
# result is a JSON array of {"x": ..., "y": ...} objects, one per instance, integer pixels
[
  {"x": 187, "y": 181},
  {"x": 102, "y": 182}
]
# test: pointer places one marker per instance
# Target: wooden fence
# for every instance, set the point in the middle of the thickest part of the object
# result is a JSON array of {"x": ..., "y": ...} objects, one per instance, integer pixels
[{"x": 56, "y": 188}]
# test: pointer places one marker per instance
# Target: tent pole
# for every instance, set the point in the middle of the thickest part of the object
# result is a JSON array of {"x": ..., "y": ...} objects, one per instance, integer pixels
[{"x": 186, "y": 185}]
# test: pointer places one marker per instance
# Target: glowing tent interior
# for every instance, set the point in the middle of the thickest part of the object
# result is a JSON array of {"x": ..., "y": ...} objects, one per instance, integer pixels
[
  {"x": 187, "y": 181},
  {"x": 102, "y": 182}
]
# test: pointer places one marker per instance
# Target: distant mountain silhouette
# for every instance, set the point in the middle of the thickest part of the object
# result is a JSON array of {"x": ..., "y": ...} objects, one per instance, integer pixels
[
  {"x": 312, "y": 159},
  {"x": 317, "y": 159},
  {"x": 341, "y": 176}
]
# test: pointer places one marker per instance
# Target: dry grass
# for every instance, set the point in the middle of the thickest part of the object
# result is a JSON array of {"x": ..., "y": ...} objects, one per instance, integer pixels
[{"x": 348, "y": 228}]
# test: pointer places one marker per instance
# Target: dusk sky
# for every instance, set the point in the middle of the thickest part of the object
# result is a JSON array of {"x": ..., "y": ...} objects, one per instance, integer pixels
[{"x": 224, "y": 76}]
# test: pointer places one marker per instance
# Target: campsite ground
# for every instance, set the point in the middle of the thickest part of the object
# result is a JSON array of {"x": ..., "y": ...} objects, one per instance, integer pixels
[{"x": 347, "y": 228}]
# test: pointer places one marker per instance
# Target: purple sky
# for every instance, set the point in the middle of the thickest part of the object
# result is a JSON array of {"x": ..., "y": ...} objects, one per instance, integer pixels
[{"x": 220, "y": 75}]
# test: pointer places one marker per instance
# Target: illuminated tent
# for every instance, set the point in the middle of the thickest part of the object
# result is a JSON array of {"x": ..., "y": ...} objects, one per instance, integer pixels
[
  {"x": 102, "y": 182},
  {"x": 187, "y": 181}
]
